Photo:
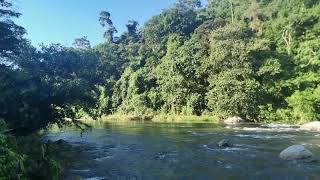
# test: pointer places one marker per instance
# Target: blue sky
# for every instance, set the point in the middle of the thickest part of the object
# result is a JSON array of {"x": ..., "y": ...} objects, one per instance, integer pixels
[{"x": 61, "y": 21}]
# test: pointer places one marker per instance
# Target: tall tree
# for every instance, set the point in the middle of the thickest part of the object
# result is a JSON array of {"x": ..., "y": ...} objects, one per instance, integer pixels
[
  {"x": 233, "y": 89},
  {"x": 132, "y": 27},
  {"x": 11, "y": 35},
  {"x": 107, "y": 23}
]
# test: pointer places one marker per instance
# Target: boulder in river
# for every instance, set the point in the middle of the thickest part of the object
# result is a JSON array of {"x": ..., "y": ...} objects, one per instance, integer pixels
[
  {"x": 297, "y": 153},
  {"x": 234, "y": 120},
  {"x": 62, "y": 143},
  {"x": 224, "y": 143},
  {"x": 311, "y": 126}
]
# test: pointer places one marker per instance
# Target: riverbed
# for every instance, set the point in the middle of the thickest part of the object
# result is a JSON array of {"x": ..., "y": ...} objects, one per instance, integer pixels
[{"x": 152, "y": 151}]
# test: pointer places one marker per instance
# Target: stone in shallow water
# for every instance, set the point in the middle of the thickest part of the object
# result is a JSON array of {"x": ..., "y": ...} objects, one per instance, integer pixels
[
  {"x": 234, "y": 120},
  {"x": 311, "y": 126},
  {"x": 61, "y": 142},
  {"x": 224, "y": 143},
  {"x": 298, "y": 153},
  {"x": 160, "y": 156}
]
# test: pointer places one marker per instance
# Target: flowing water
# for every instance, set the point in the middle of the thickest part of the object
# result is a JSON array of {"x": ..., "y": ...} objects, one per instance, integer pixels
[{"x": 165, "y": 151}]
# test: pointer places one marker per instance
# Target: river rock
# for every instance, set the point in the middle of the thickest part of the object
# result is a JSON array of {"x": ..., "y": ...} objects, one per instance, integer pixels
[
  {"x": 62, "y": 143},
  {"x": 311, "y": 126},
  {"x": 224, "y": 143},
  {"x": 298, "y": 153},
  {"x": 160, "y": 156},
  {"x": 234, "y": 120}
]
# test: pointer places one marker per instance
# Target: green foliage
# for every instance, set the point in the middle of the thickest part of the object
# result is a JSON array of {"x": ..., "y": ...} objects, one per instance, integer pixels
[
  {"x": 305, "y": 104},
  {"x": 231, "y": 94},
  {"x": 40, "y": 160},
  {"x": 24, "y": 106},
  {"x": 103, "y": 102},
  {"x": 256, "y": 59},
  {"x": 233, "y": 89},
  {"x": 11, "y": 34},
  {"x": 236, "y": 57},
  {"x": 107, "y": 23},
  {"x": 11, "y": 163},
  {"x": 25, "y": 158},
  {"x": 232, "y": 57},
  {"x": 31, "y": 99},
  {"x": 82, "y": 43},
  {"x": 180, "y": 19}
]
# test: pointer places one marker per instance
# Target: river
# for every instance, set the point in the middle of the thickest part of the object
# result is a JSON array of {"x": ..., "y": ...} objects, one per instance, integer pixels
[{"x": 148, "y": 151}]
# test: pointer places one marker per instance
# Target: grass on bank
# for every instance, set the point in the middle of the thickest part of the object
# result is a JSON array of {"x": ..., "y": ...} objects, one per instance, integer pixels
[
  {"x": 192, "y": 119},
  {"x": 123, "y": 118}
]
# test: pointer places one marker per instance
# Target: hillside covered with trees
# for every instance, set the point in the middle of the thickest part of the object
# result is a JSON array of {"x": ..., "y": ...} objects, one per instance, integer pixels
[{"x": 257, "y": 59}]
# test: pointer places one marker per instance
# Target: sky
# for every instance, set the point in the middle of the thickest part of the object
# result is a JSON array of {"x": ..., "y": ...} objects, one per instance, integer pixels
[{"x": 61, "y": 21}]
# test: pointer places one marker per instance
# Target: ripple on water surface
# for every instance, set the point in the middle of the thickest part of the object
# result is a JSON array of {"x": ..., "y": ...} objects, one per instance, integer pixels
[{"x": 187, "y": 152}]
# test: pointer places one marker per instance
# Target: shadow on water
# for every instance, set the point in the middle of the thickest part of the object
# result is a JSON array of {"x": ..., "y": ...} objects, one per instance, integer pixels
[{"x": 185, "y": 151}]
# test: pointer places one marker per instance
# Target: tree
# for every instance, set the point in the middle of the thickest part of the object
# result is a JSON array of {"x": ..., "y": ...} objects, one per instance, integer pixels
[
  {"x": 234, "y": 57},
  {"x": 11, "y": 162},
  {"x": 82, "y": 43},
  {"x": 107, "y": 23},
  {"x": 176, "y": 20},
  {"x": 193, "y": 4},
  {"x": 306, "y": 104},
  {"x": 233, "y": 89},
  {"x": 11, "y": 35},
  {"x": 222, "y": 9},
  {"x": 132, "y": 27}
]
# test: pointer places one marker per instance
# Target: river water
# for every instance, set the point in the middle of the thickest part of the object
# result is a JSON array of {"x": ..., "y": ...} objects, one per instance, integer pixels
[{"x": 147, "y": 151}]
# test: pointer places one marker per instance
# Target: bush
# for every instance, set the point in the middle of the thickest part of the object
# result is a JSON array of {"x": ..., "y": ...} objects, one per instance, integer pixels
[
  {"x": 306, "y": 104},
  {"x": 11, "y": 163},
  {"x": 229, "y": 96},
  {"x": 25, "y": 158}
]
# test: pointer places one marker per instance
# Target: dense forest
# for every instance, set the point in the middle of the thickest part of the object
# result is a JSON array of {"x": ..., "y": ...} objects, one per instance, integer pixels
[{"x": 257, "y": 59}]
